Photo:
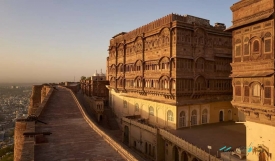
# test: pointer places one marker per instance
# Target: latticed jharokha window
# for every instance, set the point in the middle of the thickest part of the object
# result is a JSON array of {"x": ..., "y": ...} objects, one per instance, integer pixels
[
  {"x": 246, "y": 46},
  {"x": 267, "y": 92},
  {"x": 267, "y": 42},
  {"x": 151, "y": 111},
  {"x": 170, "y": 115},
  {"x": 238, "y": 47},
  {"x": 238, "y": 90},
  {"x": 256, "y": 46},
  {"x": 256, "y": 90}
]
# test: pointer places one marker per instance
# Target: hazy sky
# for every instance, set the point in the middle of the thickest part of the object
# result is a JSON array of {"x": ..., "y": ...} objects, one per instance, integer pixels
[{"x": 56, "y": 40}]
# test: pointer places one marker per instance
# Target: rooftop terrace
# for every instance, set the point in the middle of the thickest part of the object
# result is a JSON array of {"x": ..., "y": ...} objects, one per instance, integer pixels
[{"x": 216, "y": 135}]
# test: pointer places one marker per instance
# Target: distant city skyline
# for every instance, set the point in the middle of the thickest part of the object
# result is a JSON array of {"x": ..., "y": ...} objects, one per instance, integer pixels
[{"x": 57, "y": 41}]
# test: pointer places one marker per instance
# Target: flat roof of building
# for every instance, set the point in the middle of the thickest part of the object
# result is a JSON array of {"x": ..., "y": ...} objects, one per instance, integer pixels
[{"x": 216, "y": 135}]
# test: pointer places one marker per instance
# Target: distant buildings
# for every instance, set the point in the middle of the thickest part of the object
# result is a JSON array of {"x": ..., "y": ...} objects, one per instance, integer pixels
[{"x": 95, "y": 88}]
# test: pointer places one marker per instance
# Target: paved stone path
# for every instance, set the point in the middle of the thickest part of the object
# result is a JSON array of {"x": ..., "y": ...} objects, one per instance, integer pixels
[
  {"x": 72, "y": 138},
  {"x": 114, "y": 134}
]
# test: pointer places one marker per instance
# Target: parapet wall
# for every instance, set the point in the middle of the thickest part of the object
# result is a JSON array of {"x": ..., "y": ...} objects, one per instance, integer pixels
[
  {"x": 35, "y": 99},
  {"x": 24, "y": 146}
]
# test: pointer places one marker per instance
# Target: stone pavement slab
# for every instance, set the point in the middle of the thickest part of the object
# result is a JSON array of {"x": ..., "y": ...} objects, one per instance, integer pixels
[{"x": 72, "y": 138}]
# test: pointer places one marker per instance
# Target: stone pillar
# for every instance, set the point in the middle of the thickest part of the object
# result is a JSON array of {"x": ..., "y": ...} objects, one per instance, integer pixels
[
  {"x": 19, "y": 139},
  {"x": 35, "y": 99}
]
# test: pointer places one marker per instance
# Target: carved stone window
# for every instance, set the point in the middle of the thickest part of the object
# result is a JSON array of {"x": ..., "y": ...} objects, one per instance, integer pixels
[
  {"x": 238, "y": 90},
  {"x": 246, "y": 46},
  {"x": 256, "y": 46},
  {"x": 182, "y": 120},
  {"x": 246, "y": 91},
  {"x": 204, "y": 116},
  {"x": 238, "y": 48},
  {"x": 194, "y": 117},
  {"x": 267, "y": 42},
  {"x": 170, "y": 115},
  {"x": 267, "y": 45},
  {"x": 256, "y": 90},
  {"x": 267, "y": 92}
]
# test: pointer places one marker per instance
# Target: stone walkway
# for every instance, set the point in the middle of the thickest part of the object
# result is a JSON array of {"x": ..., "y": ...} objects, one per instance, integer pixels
[{"x": 72, "y": 138}]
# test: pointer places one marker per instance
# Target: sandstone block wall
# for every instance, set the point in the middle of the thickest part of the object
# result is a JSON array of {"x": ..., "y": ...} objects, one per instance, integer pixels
[{"x": 35, "y": 99}]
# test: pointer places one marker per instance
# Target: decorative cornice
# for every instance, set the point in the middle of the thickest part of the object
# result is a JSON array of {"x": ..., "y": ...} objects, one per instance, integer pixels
[
  {"x": 242, "y": 3},
  {"x": 253, "y": 16}
]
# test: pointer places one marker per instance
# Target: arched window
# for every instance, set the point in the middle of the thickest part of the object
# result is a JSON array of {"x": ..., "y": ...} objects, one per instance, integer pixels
[
  {"x": 170, "y": 115},
  {"x": 136, "y": 107},
  {"x": 204, "y": 116},
  {"x": 125, "y": 104},
  {"x": 256, "y": 90},
  {"x": 151, "y": 111},
  {"x": 182, "y": 121},
  {"x": 256, "y": 46},
  {"x": 194, "y": 117}
]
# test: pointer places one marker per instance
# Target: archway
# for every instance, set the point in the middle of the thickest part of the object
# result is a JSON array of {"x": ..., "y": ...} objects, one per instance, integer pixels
[
  {"x": 184, "y": 156},
  {"x": 126, "y": 135},
  {"x": 175, "y": 154},
  {"x": 221, "y": 116}
]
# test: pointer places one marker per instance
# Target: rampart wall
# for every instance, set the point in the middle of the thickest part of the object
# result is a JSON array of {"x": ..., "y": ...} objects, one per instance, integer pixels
[{"x": 24, "y": 146}]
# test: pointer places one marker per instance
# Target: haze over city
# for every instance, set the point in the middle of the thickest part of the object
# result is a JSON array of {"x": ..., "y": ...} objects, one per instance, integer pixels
[{"x": 54, "y": 41}]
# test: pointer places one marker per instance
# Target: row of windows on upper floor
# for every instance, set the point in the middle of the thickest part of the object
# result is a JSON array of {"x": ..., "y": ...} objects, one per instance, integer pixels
[
  {"x": 255, "y": 90},
  {"x": 188, "y": 65},
  {"x": 252, "y": 46},
  {"x": 182, "y": 119},
  {"x": 180, "y": 84},
  {"x": 164, "y": 40}
]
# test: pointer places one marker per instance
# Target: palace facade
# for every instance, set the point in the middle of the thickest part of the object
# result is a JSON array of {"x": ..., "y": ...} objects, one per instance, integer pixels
[
  {"x": 253, "y": 74},
  {"x": 173, "y": 72}
]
